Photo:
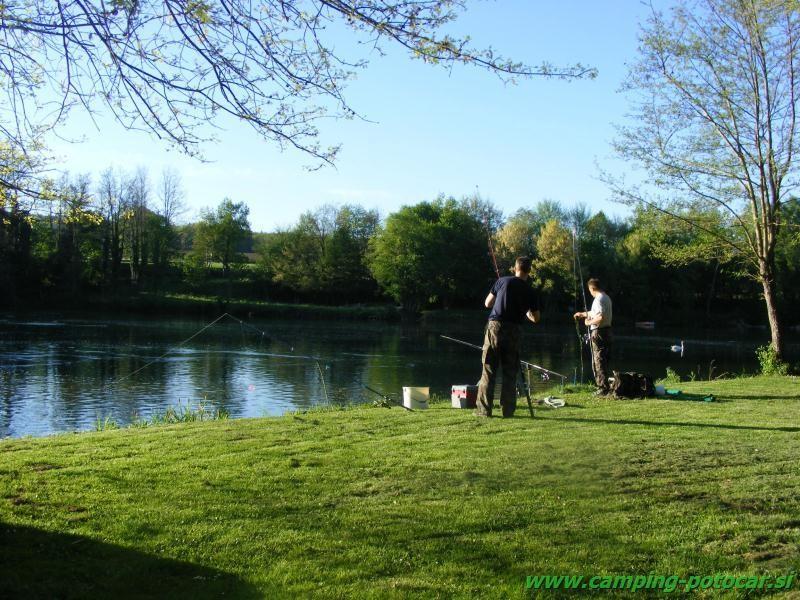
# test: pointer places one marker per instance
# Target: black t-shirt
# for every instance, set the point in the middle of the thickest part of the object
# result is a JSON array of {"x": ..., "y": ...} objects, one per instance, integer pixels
[{"x": 513, "y": 299}]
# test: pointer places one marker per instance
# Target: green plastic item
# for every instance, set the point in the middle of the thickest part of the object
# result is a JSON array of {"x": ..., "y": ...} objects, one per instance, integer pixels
[{"x": 679, "y": 395}]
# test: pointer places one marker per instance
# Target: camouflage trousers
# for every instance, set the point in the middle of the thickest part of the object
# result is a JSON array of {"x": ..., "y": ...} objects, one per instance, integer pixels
[
  {"x": 500, "y": 352},
  {"x": 601, "y": 354}
]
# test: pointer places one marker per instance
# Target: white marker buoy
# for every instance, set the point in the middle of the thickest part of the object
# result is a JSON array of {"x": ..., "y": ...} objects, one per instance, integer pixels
[{"x": 677, "y": 348}]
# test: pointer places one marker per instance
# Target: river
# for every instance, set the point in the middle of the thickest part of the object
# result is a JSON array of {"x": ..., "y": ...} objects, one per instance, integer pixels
[{"x": 63, "y": 374}]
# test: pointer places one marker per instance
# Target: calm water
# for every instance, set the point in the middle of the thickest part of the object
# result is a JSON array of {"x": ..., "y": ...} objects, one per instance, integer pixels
[{"x": 61, "y": 375}]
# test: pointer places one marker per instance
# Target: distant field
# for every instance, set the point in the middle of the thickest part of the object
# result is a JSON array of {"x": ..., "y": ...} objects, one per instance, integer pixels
[{"x": 380, "y": 503}]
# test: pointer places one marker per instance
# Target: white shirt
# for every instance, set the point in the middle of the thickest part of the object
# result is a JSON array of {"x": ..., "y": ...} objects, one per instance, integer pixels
[{"x": 601, "y": 307}]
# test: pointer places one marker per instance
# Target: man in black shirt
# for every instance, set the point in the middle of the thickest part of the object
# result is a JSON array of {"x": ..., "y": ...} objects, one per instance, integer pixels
[{"x": 512, "y": 301}]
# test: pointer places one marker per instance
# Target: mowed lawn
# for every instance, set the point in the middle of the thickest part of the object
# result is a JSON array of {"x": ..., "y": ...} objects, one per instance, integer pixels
[{"x": 384, "y": 503}]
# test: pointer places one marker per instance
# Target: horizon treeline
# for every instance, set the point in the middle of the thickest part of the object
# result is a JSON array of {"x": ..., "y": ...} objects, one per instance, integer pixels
[{"x": 78, "y": 240}]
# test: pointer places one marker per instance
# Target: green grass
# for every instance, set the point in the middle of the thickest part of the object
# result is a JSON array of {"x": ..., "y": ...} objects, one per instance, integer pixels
[
  {"x": 384, "y": 503},
  {"x": 182, "y": 413}
]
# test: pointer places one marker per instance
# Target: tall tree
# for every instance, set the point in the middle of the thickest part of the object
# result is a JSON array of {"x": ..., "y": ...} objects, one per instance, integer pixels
[
  {"x": 715, "y": 96},
  {"x": 431, "y": 253},
  {"x": 137, "y": 191},
  {"x": 220, "y": 233},
  {"x": 552, "y": 269},
  {"x": 345, "y": 268},
  {"x": 15, "y": 219},
  {"x": 171, "y": 196},
  {"x": 323, "y": 257},
  {"x": 171, "y": 205},
  {"x": 517, "y": 237},
  {"x": 111, "y": 198}
]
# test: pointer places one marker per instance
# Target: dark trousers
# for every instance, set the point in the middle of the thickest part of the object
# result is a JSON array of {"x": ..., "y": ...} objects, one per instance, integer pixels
[
  {"x": 601, "y": 354},
  {"x": 500, "y": 351}
]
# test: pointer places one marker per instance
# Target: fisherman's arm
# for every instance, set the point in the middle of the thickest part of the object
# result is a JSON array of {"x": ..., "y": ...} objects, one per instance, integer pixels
[
  {"x": 593, "y": 318},
  {"x": 534, "y": 316},
  {"x": 489, "y": 302}
]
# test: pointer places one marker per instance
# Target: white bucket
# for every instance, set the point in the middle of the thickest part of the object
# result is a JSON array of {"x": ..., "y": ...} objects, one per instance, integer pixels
[{"x": 416, "y": 397}]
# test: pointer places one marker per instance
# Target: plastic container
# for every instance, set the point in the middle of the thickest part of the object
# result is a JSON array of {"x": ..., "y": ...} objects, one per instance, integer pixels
[
  {"x": 464, "y": 396},
  {"x": 660, "y": 390},
  {"x": 416, "y": 397}
]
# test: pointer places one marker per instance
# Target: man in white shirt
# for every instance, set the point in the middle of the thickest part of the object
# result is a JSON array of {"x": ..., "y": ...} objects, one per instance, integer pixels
[{"x": 598, "y": 320}]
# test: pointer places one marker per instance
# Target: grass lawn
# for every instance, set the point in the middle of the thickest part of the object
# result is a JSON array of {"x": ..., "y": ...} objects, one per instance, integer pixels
[{"x": 383, "y": 503}]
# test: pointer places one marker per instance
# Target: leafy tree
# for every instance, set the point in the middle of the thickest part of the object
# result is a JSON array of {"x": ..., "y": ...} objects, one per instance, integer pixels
[
  {"x": 546, "y": 211},
  {"x": 15, "y": 222},
  {"x": 787, "y": 254},
  {"x": 552, "y": 269},
  {"x": 344, "y": 266},
  {"x": 290, "y": 258},
  {"x": 518, "y": 236},
  {"x": 598, "y": 245},
  {"x": 324, "y": 255},
  {"x": 111, "y": 202},
  {"x": 671, "y": 267},
  {"x": 137, "y": 222},
  {"x": 220, "y": 232},
  {"x": 577, "y": 217},
  {"x": 715, "y": 103},
  {"x": 431, "y": 253}
]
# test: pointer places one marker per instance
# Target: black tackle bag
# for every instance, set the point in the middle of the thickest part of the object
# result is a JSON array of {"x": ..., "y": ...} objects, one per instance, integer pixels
[{"x": 632, "y": 385}]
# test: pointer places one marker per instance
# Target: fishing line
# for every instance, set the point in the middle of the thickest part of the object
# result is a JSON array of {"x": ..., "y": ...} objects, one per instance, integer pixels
[
  {"x": 203, "y": 329},
  {"x": 260, "y": 332},
  {"x": 172, "y": 349},
  {"x": 169, "y": 351},
  {"x": 324, "y": 387}
]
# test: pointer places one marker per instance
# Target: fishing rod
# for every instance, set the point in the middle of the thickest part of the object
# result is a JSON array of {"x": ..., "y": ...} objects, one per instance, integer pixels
[
  {"x": 578, "y": 283},
  {"x": 491, "y": 246},
  {"x": 524, "y": 362},
  {"x": 526, "y": 387},
  {"x": 387, "y": 398},
  {"x": 578, "y": 276}
]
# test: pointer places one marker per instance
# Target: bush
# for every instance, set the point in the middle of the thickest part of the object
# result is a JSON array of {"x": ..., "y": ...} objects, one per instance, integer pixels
[{"x": 769, "y": 361}]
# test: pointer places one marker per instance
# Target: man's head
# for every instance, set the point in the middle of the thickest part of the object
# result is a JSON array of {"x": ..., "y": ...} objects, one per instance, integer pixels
[
  {"x": 522, "y": 267},
  {"x": 594, "y": 286}
]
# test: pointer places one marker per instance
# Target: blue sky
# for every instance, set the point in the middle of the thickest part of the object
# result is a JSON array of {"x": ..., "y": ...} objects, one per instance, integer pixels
[{"x": 432, "y": 132}]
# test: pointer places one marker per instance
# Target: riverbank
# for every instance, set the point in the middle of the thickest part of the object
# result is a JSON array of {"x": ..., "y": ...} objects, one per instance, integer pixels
[
  {"x": 209, "y": 306},
  {"x": 373, "y": 502}
]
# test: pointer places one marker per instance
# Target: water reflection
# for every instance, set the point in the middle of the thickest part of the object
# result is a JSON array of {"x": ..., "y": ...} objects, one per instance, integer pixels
[{"x": 63, "y": 375}]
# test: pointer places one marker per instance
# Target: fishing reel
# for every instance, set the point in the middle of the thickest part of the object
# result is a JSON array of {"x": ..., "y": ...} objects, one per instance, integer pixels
[{"x": 587, "y": 338}]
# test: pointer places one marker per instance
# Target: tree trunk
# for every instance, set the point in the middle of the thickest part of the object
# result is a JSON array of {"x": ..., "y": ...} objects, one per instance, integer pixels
[
  {"x": 116, "y": 254},
  {"x": 134, "y": 261},
  {"x": 768, "y": 282}
]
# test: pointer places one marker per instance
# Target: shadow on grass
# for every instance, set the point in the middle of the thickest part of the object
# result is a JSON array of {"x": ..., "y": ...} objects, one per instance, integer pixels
[
  {"x": 41, "y": 564},
  {"x": 758, "y": 397},
  {"x": 679, "y": 424}
]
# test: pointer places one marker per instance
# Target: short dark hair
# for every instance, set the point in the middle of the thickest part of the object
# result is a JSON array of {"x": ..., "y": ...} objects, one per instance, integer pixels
[
  {"x": 523, "y": 263},
  {"x": 594, "y": 282}
]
